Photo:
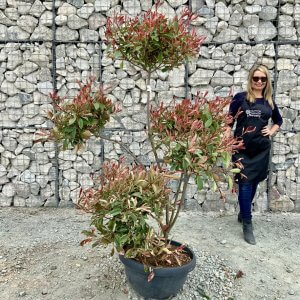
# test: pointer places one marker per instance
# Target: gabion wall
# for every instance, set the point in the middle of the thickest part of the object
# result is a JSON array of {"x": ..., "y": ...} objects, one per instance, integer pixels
[{"x": 49, "y": 45}]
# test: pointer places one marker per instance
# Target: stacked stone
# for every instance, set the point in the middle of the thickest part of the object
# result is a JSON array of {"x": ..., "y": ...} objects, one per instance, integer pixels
[{"x": 26, "y": 80}]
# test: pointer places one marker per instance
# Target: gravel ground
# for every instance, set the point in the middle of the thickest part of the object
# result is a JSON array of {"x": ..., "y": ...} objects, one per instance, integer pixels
[{"x": 40, "y": 258}]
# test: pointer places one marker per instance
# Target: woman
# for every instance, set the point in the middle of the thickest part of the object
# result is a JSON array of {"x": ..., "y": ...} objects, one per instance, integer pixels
[{"x": 252, "y": 110}]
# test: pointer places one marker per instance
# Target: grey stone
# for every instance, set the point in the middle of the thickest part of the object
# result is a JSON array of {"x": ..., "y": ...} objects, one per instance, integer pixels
[
  {"x": 249, "y": 20},
  {"x": 10, "y": 76},
  {"x": 268, "y": 13},
  {"x": 25, "y": 86},
  {"x": 282, "y": 100},
  {"x": 76, "y": 3},
  {"x": 5, "y": 20},
  {"x": 240, "y": 77},
  {"x": 66, "y": 9},
  {"x": 85, "y": 181},
  {"x": 5, "y": 201},
  {"x": 266, "y": 31},
  {"x": 280, "y": 149},
  {"x": 8, "y": 190},
  {"x": 201, "y": 77},
  {"x": 295, "y": 93},
  {"x": 3, "y": 32},
  {"x": 96, "y": 21},
  {"x": 284, "y": 64},
  {"x": 61, "y": 20},
  {"x": 221, "y": 78},
  {"x": 26, "y": 68},
  {"x": 294, "y": 143},
  {"x": 166, "y": 10},
  {"x": 211, "y": 64},
  {"x": 75, "y": 22},
  {"x": 37, "y": 8},
  {"x": 9, "y": 143},
  {"x": 211, "y": 24},
  {"x": 12, "y": 13},
  {"x": 287, "y": 9},
  {"x": 85, "y": 11},
  {"x": 226, "y": 35},
  {"x": 127, "y": 83},
  {"x": 21, "y": 162},
  {"x": 64, "y": 33},
  {"x": 286, "y": 125},
  {"x": 177, "y": 77},
  {"x": 19, "y": 201},
  {"x": 45, "y": 87},
  {"x": 3, "y": 171},
  {"x": 67, "y": 155},
  {"x": 34, "y": 201},
  {"x": 46, "y": 19},
  {"x": 205, "y": 11},
  {"x": 287, "y": 33},
  {"x": 253, "y": 9},
  {"x": 27, "y": 23},
  {"x": 13, "y": 102},
  {"x": 222, "y": 11},
  {"x": 82, "y": 167},
  {"x": 34, "y": 188},
  {"x": 46, "y": 192},
  {"x": 88, "y": 35},
  {"x": 14, "y": 59},
  {"x": 133, "y": 7},
  {"x": 22, "y": 189},
  {"x": 286, "y": 81},
  {"x": 27, "y": 177},
  {"x": 236, "y": 18},
  {"x": 102, "y": 5}
]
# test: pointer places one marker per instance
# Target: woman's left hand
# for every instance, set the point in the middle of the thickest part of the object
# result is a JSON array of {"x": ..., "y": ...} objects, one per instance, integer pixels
[{"x": 266, "y": 131}]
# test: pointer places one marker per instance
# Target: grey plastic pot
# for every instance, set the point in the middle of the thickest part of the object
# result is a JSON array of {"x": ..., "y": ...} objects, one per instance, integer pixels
[{"x": 166, "y": 282}]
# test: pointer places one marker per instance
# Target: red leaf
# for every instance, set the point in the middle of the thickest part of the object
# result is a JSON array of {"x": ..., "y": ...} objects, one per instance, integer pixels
[
  {"x": 151, "y": 276},
  {"x": 239, "y": 274}
]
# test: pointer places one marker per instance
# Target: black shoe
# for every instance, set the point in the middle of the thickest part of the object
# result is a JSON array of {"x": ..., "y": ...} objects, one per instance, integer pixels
[
  {"x": 248, "y": 232},
  {"x": 240, "y": 218}
]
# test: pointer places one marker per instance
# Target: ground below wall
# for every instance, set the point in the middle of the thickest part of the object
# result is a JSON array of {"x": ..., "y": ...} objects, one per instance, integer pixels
[{"x": 40, "y": 258}]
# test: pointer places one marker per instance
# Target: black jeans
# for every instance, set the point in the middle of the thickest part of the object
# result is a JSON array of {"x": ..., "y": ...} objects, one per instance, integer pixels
[{"x": 246, "y": 194}]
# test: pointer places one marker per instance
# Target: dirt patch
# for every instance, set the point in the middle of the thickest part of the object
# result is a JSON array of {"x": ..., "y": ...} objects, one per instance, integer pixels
[{"x": 40, "y": 256}]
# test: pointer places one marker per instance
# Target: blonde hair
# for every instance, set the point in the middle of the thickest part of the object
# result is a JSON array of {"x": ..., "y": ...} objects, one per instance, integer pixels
[{"x": 267, "y": 91}]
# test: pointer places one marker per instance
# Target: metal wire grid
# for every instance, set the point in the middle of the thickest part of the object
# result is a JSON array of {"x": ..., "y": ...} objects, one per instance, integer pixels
[{"x": 61, "y": 50}]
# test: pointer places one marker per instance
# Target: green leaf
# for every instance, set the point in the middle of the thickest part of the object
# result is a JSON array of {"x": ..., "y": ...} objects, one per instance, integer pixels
[
  {"x": 199, "y": 182},
  {"x": 72, "y": 121},
  {"x": 95, "y": 244},
  {"x": 117, "y": 54},
  {"x": 214, "y": 186},
  {"x": 187, "y": 160},
  {"x": 230, "y": 182},
  {"x": 66, "y": 144},
  {"x": 96, "y": 105},
  {"x": 115, "y": 212},
  {"x": 88, "y": 233},
  {"x": 123, "y": 239},
  {"x": 235, "y": 170},
  {"x": 80, "y": 123},
  {"x": 208, "y": 122},
  {"x": 122, "y": 64},
  {"x": 227, "y": 159},
  {"x": 198, "y": 153}
]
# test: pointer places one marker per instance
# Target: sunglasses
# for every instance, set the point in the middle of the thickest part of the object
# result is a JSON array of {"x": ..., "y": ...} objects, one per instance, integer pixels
[{"x": 256, "y": 79}]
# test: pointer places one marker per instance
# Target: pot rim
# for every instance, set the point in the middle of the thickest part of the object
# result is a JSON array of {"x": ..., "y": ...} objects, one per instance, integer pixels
[{"x": 162, "y": 271}]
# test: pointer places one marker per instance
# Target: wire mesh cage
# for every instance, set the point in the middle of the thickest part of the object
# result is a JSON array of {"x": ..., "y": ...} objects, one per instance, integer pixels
[{"x": 50, "y": 46}]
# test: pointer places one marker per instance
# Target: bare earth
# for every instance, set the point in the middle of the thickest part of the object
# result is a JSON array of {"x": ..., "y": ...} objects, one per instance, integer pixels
[{"x": 40, "y": 256}]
